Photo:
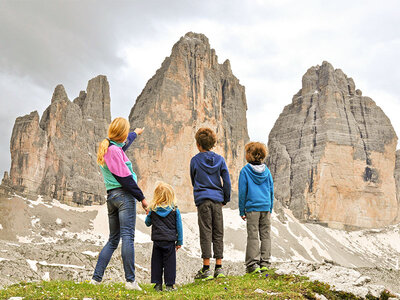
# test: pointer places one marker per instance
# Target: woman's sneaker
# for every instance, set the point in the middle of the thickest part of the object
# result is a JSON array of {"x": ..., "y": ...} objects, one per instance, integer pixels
[
  {"x": 219, "y": 273},
  {"x": 254, "y": 269},
  {"x": 94, "y": 282},
  {"x": 204, "y": 275},
  {"x": 132, "y": 285}
]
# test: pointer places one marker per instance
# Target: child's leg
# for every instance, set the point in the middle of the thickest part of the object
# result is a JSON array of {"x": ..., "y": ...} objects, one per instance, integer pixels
[
  {"x": 253, "y": 245},
  {"x": 169, "y": 262},
  {"x": 218, "y": 232},
  {"x": 265, "y": 237},
  {"x": 204, "y": 215},
  {"x": 156, "y": 263}
]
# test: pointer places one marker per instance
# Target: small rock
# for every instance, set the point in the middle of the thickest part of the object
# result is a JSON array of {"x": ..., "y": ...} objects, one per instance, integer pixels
[
  {"x": 16, "y": 298},
  {"x": 362, "y": 280},
  {"x": 320, "y": 297},
  {"x": 260, "y": 291}
]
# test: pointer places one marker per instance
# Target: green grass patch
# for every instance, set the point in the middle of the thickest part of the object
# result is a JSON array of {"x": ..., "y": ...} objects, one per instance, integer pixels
[{"x": 269, "y": 285}]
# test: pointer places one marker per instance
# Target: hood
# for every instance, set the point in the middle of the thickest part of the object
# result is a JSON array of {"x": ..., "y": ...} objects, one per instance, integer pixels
[
  {"x": 163, "y": 211},
  {"x": 209, "y": 161},
  {"x": 257, "y": 173}
]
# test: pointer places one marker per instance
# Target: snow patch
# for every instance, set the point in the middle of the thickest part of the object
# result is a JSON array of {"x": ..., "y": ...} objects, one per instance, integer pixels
[
  {"x": 38, "y": 201},
  {"x": 2, "y": 259},
  {"x": 44, "y": 263},
  {"x": 58, "y": 221},
  {"x": 24, "y": 239},
  {"x": 1, "y": 227},
  {"x": 90, "y": 253},
  {"x": 142, "y": 268},
  {"x": 46, "y": 276},
  {"x": 34, "y": 221},
  {"x": 32, "y": 264}
]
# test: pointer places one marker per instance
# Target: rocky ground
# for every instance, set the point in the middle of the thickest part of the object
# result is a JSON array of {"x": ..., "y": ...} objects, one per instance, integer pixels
[{"x": 40, "y": 240}]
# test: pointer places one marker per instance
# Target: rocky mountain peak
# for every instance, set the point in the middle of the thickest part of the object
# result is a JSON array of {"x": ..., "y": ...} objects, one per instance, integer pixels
[
  {"x": 319, "y": 78},
  {"x": 59, "y": 94},
  {"x": 97, "y": 100},
  {"x": 194, "y": 46},
  {"x": 189, "y": 91},
  {"x": 56, "y": 156},
  {"x": 332, "y": 154}
]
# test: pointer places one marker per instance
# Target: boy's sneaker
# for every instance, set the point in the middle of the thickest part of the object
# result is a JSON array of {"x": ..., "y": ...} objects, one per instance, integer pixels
[
  {"x": 254, "y": 269},
  {"x": 219, "y": 273},
  {"x": 158, "y": 287},
  {"x": 204, "y": 275},
  {"x": 132, "y": 285},
  {"x": 94, "y": 282},
  {"x": 170, "y": 288},
  {"x": 265, "y": 267}
]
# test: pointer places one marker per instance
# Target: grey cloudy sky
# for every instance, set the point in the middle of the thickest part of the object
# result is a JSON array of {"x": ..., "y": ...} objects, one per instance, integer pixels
[{"x": 270, "y": 44}]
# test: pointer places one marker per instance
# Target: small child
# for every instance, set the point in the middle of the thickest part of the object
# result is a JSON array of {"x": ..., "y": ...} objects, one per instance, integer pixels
[
  {"x": 211, "y": 190},
  {"x": 166, "y": 234},
  {"x": 256, "y": 198}
]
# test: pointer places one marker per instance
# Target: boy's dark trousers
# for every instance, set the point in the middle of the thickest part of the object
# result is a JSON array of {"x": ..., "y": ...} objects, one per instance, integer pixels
[
  {"x": 211, "y": 228},
  {"x": 163, "y": 259}
]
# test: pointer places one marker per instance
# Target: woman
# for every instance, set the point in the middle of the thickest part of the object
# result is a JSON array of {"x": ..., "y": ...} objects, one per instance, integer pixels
[{"x": 122, "y": 193}]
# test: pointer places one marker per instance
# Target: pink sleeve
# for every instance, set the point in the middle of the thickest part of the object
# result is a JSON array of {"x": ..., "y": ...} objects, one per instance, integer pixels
[{"x": 115, "y": 162}]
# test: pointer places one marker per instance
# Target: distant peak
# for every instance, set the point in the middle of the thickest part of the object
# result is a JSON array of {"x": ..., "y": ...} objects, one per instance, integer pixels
[
  {"x": 59, "y": 94},
  {"x": 319, "y": 77}
]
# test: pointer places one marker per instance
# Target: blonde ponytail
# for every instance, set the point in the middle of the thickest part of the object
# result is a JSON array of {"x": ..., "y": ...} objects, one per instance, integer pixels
[
  {"x": 103, "y": 147},
  {"x": 117, "y": 131}
]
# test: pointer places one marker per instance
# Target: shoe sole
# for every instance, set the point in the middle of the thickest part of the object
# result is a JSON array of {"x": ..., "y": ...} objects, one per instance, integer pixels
[
  {"x": 206, "y": 278},
  {"x": 265, "y": 269},
  {"x": 256, "y": 271}
]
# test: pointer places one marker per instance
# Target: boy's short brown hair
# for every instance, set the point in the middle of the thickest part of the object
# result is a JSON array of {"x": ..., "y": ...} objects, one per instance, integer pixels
[
  {"x": 255, "y": 152},
  {"x": 206, "y": 138}
]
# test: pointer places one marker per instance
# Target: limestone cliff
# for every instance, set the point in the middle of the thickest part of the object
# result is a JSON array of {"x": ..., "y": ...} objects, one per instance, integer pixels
[
  {"x": 332, "y": 154},
  {"x": 397, "y": 178},
  {"x": 56, "y": 155},
  {"x": 189, "y": 91}
]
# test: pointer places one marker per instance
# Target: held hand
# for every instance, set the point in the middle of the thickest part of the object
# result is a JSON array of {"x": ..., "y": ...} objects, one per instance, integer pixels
[
  {"x": 138, "y": 131},
  {"x": 145, "y": 205},
  {"x": 243, "y": 217},
  {"x": 177, "y": 247}
]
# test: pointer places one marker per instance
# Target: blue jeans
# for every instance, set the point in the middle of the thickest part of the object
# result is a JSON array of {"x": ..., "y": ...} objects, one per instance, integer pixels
[{"x": 121, "y": 207}]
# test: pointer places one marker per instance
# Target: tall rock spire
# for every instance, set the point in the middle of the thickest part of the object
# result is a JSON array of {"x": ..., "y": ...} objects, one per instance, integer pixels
[
  {"x": 332, "y": 154},
  {"x": 189, "y": 91},
  {"x": 56, "y": 156}
]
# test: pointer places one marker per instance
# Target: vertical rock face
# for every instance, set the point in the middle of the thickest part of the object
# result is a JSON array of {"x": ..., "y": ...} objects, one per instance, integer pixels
[
  {"x": 56, "y": 156},
  {"x": 189, "y": 91},
  {"x": 397, "y": 178},
  {"x": 332, "y": 154}
]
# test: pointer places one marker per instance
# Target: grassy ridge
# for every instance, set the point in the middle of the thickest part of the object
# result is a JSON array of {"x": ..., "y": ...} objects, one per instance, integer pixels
[{"x": 268, "y": 285}]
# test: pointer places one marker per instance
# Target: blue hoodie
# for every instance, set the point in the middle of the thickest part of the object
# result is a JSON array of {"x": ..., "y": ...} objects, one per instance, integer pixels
[
  {"x": 256, "y": 189},
  {"x": 164, "y": 212},
  {"x": 206, "y": 171}
]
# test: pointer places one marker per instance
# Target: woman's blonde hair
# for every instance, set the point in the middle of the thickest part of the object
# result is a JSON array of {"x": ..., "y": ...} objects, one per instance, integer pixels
[
  {"x": 164, "y": 196},
  {"x": 118, "y": 132}
]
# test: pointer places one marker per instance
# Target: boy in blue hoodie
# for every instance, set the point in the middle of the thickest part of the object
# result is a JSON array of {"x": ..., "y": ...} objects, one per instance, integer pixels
[
  {"x": 166, "y": 234},
  {"x": 256, "y": 198},
  {"x": 206, "y": 171}
]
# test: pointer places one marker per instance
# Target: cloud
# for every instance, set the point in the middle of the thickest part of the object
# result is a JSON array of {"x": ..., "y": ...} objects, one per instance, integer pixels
[{"x": 270, "y": 44}]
